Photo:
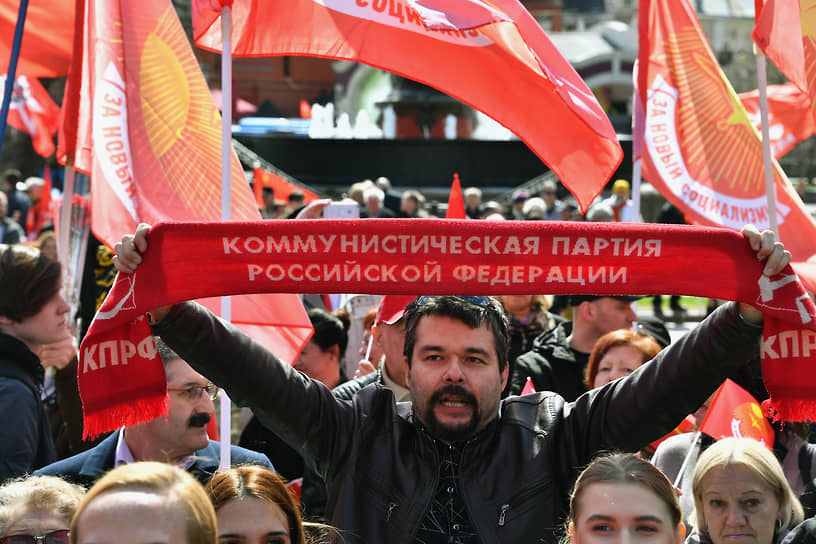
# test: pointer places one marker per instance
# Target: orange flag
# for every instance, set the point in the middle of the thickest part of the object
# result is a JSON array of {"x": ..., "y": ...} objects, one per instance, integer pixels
[
  {"x": 492, "y": 55},
  {"x": 47, "y": 37},
  {"x": 785, "y": 30},
  {"x": 700, "y": 150},
  {"x": 32, "y": 111},
  {"x": 456, "y": 203},
  {"x": 734, "y": 412},
  {"x": 149, "y": 134},
  {"x": 282, "y": 187},
  {"x": 789, "y": 118}
]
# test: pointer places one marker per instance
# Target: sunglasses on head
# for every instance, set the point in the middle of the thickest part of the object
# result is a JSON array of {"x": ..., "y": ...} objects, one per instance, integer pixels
[
  {"x": 54, "y": 537},
  {"x": 484, "y": 302}
]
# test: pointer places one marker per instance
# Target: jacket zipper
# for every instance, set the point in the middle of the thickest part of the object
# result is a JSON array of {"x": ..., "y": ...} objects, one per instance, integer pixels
[{"x": 515, "y": 501}]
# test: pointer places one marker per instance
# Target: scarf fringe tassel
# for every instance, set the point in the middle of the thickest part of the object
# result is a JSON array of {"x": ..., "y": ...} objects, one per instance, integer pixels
[{"x": 134, "y": 412}]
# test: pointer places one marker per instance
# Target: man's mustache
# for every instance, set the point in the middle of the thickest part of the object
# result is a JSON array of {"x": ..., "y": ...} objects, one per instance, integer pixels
[
  {"x": 457, "y": 390},
  {"x": 198, "y": 420}
]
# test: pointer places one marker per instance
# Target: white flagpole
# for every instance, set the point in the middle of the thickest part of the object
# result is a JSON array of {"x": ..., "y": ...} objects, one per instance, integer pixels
[
  {"x": 225, "y": 424},
  {"x": 770, "y": 186},
  {"x": 687, "y": 459}
]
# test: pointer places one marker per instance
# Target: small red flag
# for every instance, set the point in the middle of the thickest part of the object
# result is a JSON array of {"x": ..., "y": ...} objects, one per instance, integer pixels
[
  {"x": 32, "y": 111},
  {"x": 456, "y": 203},
  {"x": 734, "y": 412},
  {"x": 528, "y": 387},
  {"x": 789, "y": 118},
  {"x": 491, "y": 55},
  {"x": 282, "y": 187}
]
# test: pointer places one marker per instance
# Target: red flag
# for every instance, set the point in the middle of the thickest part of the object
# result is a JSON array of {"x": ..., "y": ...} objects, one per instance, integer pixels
[
  {"x": 785, "y": 30},
  {"x": 734, "y": 412},
  {"x": 491, "y": 55},
  {"x": 789, "y": 118},
  {"x": 282, "y": 187},
  {"x": 688, "y": 425},
  {"x": 456, "y": 203},
  {"x": 149, "y": 134},
  {"x": 528, "y": 387},
  {"x": 701, "y": 151},
  {"x": 32, "y": 111},
  {"x": 47, "y": 36}
]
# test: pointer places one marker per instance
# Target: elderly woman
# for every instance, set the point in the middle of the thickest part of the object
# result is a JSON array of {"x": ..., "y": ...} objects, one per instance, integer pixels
[
  {"x": 37, "y": 509},
  {"x": 617, "y": 354},
  {"x": 741, "y": 495}
]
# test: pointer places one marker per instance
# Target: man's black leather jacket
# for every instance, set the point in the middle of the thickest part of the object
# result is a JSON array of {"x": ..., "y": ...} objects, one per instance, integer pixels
[{"x": 381, "y": 466}]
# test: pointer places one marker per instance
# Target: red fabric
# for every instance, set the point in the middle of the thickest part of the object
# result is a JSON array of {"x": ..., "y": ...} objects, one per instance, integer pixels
[
  {"x": 40, "y": 212},
  {"x": 496, "y": 58},
  {"x": 282, "y": 187},
  {"x": 789, "y": 118},
  {"x": 784, "y": 30},
  {"x": 77, "y": 88},
  {"x": 528, "y": 388},
  {"x": 688, "y": 425},
  {"x": 32, "y": 111},
  {"x": 149, "y": 133},
  {"x": 734, "y": 412},
  {"x": 391, "y": 308},
  {"x": 432, "y": 256},
  {"x": 456, "y": 203},
  {"x": 47, "y": 37},
  {"x": 701, "y": 151}
]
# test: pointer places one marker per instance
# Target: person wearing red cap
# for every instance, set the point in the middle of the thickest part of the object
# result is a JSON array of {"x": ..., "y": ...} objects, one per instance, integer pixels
[{"x": 389, "y": 338}]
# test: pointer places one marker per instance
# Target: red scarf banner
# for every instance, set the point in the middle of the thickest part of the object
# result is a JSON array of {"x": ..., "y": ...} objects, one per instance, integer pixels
[
  {"x": 491, "y": 55},
  {"x": 430, "y": 256},
  {"x": 700, "y": 150}
]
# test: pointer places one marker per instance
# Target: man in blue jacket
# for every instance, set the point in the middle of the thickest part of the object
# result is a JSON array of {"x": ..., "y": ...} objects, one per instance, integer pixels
[{"x": 180, "y": 438}]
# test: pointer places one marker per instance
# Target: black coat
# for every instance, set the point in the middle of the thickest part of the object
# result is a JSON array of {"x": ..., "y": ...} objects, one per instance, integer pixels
[{"x": 25, "y": 435}]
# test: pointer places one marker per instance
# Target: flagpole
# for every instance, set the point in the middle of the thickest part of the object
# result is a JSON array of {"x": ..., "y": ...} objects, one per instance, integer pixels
[
  {"x": 12, "y": 68},
  {"x": 687, "y": 460},
  {"x": 225, "y": 424},
  {"x": 770, "y": 186}
]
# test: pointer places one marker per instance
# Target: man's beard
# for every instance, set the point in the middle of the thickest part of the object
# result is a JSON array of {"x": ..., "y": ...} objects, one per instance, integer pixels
[{"x": 456, "y": 432}]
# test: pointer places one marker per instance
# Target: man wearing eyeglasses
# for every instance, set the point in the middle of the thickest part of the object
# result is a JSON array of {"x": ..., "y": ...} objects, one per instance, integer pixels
[
  {"x": 458, "y": 464},
  {"x": 180, "y": 438}
]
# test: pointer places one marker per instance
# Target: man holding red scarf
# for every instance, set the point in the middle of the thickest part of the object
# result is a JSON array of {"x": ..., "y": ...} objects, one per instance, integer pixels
[{"x": 459, "y": 465}]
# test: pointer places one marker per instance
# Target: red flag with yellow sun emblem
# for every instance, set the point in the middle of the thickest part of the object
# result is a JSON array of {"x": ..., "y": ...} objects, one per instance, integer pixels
[
  {"x": 734, "y": 412},
  {"x": 146, "y": 129},
  {"x": 700, "y": 150}
]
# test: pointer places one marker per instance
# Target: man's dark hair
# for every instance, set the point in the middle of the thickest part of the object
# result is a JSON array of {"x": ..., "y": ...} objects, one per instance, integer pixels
[
  {"x": 472, "y": 315},
  {"x": 29, "y": 280},
  {"x": 329, "y": 329},
  {"x": 12, "y": 175}
]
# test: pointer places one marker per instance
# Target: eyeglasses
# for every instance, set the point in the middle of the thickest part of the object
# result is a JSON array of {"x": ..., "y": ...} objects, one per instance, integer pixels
[
  {"x": 55, "y": 537},
  {"x": 194, "y": 392}
]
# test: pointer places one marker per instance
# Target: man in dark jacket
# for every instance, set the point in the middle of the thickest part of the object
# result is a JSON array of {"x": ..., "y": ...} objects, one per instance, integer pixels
[
  {"x": 559, "y": 356},
  {"x": 10, "y": 231},
  {"x": 32, "y": 314},
  {"x": 458, "y": 464},
  {"x": 180, "y": 438}
]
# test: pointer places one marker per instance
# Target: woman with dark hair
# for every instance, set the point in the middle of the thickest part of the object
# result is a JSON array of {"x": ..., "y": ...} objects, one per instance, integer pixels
[
  {"x": 617, "y": 354},
  {"x": 253, "y": 505},
  {"x": 621, "y": 498},
  {"x": 33, "y": 314}
]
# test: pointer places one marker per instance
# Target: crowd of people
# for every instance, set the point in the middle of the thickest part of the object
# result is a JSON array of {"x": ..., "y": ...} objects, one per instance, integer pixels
[{"x": 457, "y": 419}]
